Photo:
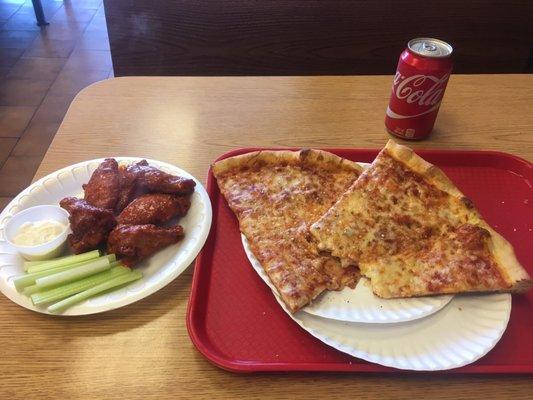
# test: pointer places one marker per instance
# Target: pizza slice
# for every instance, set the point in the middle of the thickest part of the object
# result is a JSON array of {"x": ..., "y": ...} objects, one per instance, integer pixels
[
  {"x": 276, "y": 195},
  {"x": 413, "y": 233}
]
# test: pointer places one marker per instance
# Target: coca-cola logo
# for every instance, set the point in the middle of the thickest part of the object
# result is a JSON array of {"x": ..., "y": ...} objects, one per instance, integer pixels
[{"x": 425, "y": 90}]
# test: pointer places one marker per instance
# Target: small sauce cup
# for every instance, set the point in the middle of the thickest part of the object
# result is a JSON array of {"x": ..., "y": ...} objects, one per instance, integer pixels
[{"x": 44, "y": 251}]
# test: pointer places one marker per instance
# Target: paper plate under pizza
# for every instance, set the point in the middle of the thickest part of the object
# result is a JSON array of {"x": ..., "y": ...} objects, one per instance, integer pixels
[
  {"x": 361, "y": 305},
  {"x": 311, "y": 216},
  {"x": 461, "y": 332}
]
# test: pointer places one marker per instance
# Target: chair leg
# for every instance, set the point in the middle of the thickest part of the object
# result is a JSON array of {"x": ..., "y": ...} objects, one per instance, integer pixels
[{"x": 39, "y": 13}]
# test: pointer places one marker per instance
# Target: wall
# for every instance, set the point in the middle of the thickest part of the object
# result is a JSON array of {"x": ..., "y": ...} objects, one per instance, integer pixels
[{"x": 310, "y": 37}]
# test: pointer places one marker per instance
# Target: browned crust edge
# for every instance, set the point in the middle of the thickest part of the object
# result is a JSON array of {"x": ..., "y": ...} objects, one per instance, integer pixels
[
  {"x": 430, "y": 172},
  {"x": 313, "y": 156}
]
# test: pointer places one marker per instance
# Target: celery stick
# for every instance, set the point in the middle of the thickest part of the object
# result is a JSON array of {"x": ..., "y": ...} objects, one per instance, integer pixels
[
  {"x": 44, "y": 267},
  {"x": 63, "y": 261},
  {"x": 28, "y": 264},
  {"x": 61, "y": 292},
  {"x": 29, "y": 290},
  {"x": 26, "y": 283},
  {"x": 29, "y": 279},
  {"x": 93, "y": 253},
  {"x": 81, "y": 257},
  {"x": 110, "y": 257},
  {"x": 112, "y": 283},
  {"x": 24, "y": 280},
  {"x": 73, "y": 274}
]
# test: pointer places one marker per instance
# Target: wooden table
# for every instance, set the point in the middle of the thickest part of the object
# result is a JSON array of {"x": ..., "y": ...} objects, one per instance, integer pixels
[{"x": 143, "y": 350}]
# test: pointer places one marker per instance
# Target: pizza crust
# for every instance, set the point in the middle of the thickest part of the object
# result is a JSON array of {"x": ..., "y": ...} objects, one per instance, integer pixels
[
  {"x": 513, "y": 272},
  {"x": 311, "y": 156},
  {"x": 515, "y": 275},
  {"x": 430, "y": 172}
]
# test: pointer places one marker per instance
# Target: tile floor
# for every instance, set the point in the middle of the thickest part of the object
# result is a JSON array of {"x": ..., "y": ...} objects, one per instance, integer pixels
[{"x": 41, "y": 70}]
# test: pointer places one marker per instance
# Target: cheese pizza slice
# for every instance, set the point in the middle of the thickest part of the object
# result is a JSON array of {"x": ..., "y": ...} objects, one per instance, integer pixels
[
  {"x": 413, "y": 233},
  {"x": 276, "y": 195}
]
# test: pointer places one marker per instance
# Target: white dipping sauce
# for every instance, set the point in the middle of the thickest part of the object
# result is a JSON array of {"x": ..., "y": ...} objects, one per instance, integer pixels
[{"x": 39, "y": 232}]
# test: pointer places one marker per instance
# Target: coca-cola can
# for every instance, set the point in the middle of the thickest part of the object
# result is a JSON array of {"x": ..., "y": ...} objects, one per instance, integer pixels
[{"x": 418, "y": 87}]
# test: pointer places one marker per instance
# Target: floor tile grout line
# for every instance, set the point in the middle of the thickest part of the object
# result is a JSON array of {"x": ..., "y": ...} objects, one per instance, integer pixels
[
  {"x": 9, "y": 155},
  {"x": 61, "y": 70},
  {"x": 39, "y": 33},
  {"x": 41, "y": 30},
  {"x": 47, "y": 90},
  {"x": 18, "y": 9},
  {"x": 14, "y": 12},
  {"x": 77, "y": 40}
]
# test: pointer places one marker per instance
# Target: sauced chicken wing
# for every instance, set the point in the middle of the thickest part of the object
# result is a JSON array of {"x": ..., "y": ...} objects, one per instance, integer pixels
[
  {"x": 127, "y": 187},
  {"x": 155, "y": 180},
  {"x": 103, "y": 188},
  {"x": 155, "y": 208},
  {"x": 90, "y": 225},
  {"x": 136, "y": 242}
]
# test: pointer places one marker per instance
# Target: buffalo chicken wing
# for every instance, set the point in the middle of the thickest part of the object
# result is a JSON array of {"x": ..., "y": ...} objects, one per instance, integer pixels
[
  {"x": 136, "y": 242},
  {"x": 90, "y": 225},
  {"x": 155, "y": 208},
  {"x": 141, "y": 195},
  {"x": 127, "y": 185},
  {"x": 154, "y": 180},
  {"x": 103, "y": 188}
]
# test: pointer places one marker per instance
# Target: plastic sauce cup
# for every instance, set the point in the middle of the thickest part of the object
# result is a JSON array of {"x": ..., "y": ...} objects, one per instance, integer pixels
[{"x": 45, "y": 251}]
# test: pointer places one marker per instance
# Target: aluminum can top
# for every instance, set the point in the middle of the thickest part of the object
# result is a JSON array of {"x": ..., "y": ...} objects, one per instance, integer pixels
[{"x": 430, "y": 47}]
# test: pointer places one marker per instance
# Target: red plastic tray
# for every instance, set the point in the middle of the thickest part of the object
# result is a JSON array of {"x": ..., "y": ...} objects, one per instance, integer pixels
[{"x": 235, "y": 322}]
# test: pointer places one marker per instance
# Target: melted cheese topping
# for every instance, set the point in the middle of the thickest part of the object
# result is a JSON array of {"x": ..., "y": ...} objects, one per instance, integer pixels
[
  {"x": 275, "y": 204},
  {"x": 408, "y": 236}
]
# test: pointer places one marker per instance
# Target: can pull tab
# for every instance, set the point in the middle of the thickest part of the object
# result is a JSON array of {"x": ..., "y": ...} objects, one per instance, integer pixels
[{"x": 428, "y": 46}]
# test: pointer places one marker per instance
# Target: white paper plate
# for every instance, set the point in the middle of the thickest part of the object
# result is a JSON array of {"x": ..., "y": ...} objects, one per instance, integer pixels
[
  {"x": 462, "y": 332},
  {"x": 158, "y": 270},
  {"x": 361, "y": 305},
  {"x": 459, "y": 334}
]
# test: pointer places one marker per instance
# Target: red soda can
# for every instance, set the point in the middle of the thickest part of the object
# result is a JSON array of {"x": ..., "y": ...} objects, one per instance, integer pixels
[{"x": 418, "y": 87}]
